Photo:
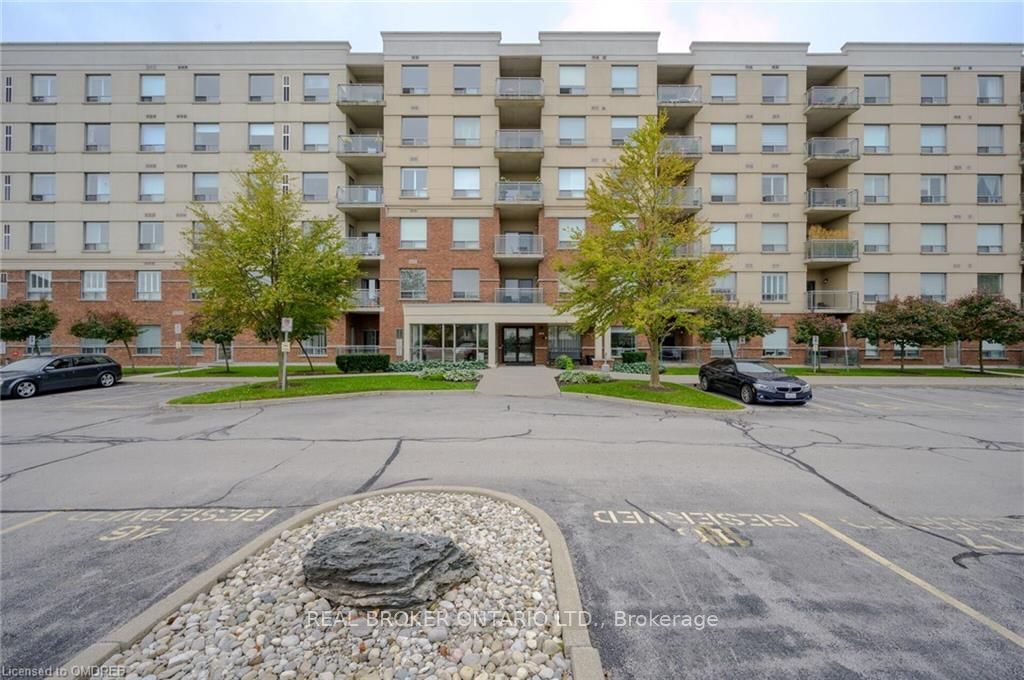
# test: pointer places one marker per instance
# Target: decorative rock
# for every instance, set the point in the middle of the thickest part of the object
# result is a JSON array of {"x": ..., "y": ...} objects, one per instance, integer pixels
[{"x": 438, "y": 634}]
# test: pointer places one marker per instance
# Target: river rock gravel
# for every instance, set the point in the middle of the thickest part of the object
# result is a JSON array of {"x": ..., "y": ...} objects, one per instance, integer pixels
[{"x": 262, "y": 623}]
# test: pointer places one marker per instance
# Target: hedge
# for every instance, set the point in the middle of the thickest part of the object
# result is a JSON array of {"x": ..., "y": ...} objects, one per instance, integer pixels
[
  {"x": 362, "y": 363},
  {"x": 634, "y": 357},
  {"x": 416, "y": 366}
]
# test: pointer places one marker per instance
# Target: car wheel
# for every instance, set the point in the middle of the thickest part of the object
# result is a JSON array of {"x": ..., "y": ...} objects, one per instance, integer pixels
[
  {"x": 24, "y": 390},
  {"x": 747, "y": 395},
  {"x": 107, "y": 380},
  {"x": 705, "y": 384}
]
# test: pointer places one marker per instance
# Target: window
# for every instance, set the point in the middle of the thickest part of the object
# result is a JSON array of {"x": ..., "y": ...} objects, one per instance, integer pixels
[
  {"x": 876, "y": 238},
  {"x": 414, "y": 183},
  {"x": 44, "y": 186},
  {"x": 448, "y": 342},
  {"x": 776, "y": 343},
  {"x": 465, "y": 233},
  {"x": 774, "y": 237},
  {"x": 44, "y": 88},
  {"x": 286, "y": 136},
  {"x": 152, "y": 137},
  {"x": 725, "y": 286},
  {"x": 286, "y": 88},
  {"x": 152, "y": 88},
  {"x": 94, "y": 285},
  {"x": 206, "y": 87},
  {"x": 876, "y": 139},
  {"x": 723, "y": 88},
  {"x": 990, "y": 238},
  {"x": 44, "y": 137},
  {"x": 571, "y": 182},
  {"x": 7, "y": 187},
  {"x": 723, "y": 137},
  {"x": 97, "y": 187},
  {"x": 773, "y": 189},
  {"x": 316, "y": 345},
  {"x": 147, "y": 285},
  {"x": 8, "y": 137},
  {"x": 876, "y": 188},
  {"x": 316, "y": 87},
  {"x": 990, "y": 188},
  {"x": 622, "y": 127},
  {"x": 414, "y": 79},
  {"x": 990, "y": 139},
  {"x": 314, "y": 186},
  {"x": 992, "y": 350},
  {"x": 933, "y": 188},
  {"x": 625, "y": 80},
  {"x": 774, "y": 88},
  {"x": 572, "y": 80},
  {"x": 206, "y": 137},
  {"x": 7, "y": 237},
  {"x": 151, "y": 235},
  {"x": 414, "y": 130},
  {"x": 466, "y": 78},
  {"x": 40, "y": 285},
  {"x": 196, "y": 349},
  {"x": 413, "y": 232},
  {"x": 774, "y": 138},
  {"x": 990, "y": 283},
  {"x": 876, "y": 89},
  {"x": 933, "y": 287},
  {"x": 96, "y": 236},
  {"x": 933, "y": 89},
  {"x": 97, "y": 136},
  {"x": 933, "y": 139},
  {"x": 41, "y": 236},
  {"x": 774, "y": 287},
  {"x": 314, "y": 137},
  {"x": 261, "y": 87},
  {"x": 147, "y": 342},
  {"x": 622, "y": 340},
  {"x": 205, "y": 186},
  {"x": 933, "y": 238},
  {"x": 569, "y": 231},
  {"x": 723, "y": 188},
  {"x": 151, "y": 187},
  {"x": 572, "y": 130},
  {"x": 8, "y": 89},
  {"x": 723, "y": 237},
  {"x": 466, "y": 182},
  {"x": 466, "y": 284},
  {"x": 876, "y": 286},
  {"x": 412, "y": 284},
  {"x": 990, "y": 89},
  {"x": 466, "y": 131},
  {"x": 92, "y": 346},
  {"x": 261, "y": 136}
]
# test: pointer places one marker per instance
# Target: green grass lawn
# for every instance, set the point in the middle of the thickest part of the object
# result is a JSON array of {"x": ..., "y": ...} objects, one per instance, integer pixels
[
  {"x": 143, "y": 370},
  {"x": 257, "y": 371},
  {"x": 309, "y": 388},
  {"x": 681, "y": 370},
  {"x": 676, "y": 395}
]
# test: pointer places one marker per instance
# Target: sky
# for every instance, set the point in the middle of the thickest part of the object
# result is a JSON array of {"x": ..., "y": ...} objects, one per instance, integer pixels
[{"x": 825, "y": 24}]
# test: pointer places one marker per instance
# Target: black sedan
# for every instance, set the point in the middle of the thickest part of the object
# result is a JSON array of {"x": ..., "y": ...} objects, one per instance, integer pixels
[
  {"x": 27, "y": 377},
  {"x": 753, "y": 381}
]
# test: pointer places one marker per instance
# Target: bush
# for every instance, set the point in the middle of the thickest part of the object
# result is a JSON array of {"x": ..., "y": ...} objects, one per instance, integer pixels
[
  {"x": 564, "y": 363},
  {"x": 362, "y": 363},
  {"x": 633, "y": 357},
  {"x": 635, "y": 367},
  {"x": 432, "y": 374},
  {"x": 417, "y": 366},
  {"x": 581, "y": 377},
  {"x": 461, "y": 375}
]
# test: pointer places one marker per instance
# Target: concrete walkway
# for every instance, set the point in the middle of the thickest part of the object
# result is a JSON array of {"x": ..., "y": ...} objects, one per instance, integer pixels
[{"x": 519, "y": 381}]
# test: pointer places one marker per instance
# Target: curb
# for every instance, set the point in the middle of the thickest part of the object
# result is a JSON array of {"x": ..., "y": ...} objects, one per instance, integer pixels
[
  {"x": 585, "y": 660},
  {"x": 289, "y": 400},
  {"x": 655, "y": 405}
]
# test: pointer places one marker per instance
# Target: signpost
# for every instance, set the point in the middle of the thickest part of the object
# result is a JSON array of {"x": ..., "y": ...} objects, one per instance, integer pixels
[
  {"x": 177, "y": 346},
  {"x": 815, "y": 358},
  {"x": 286, "y": 347},
  {"x": 846, "y": 347}
]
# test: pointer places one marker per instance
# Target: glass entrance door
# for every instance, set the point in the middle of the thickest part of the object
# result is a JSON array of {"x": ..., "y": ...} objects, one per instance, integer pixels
[{"x": 517, "y": 345}]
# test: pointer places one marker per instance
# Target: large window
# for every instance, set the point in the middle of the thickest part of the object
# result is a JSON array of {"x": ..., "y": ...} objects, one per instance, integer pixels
[
  {"x": 572, "y": 130},
  {"x": 448, "y": 342},
  {"x": 933, "y": 89},
  {"x": 876, "y": 188},
  {"x": 151, "y": 235},
  {"x": 205, "y": 186},
  {"x": 466, "y": 78},
  {"x": 42, "y": 236},
  {"x": 993, "y": 350},
  {"x": 774, "y": 88},
  {"x": 147, "y": 285},
  {"x": 774, "y": 138},
  {"x": 465, "y": 284},
  {"x": 776, "y": 343},
  {"x": 569, "y": 231},
  {"x": 774, "y": 287},
  {"x": 990, "y": 283},
  {"x": 571, "y": 182},
  {"x": 44, "y": 187},
  {"x": 44, "y": 88},
  {"x": 723, "y": 237},
  {"x": 152, "y": 87},
  {"x": 876, "y": 238},
  {"x": 933, "y": 238},
  {"x": 147, "y": 342},
  {"x": 466, "y": 182},
  {"x": 314, "y": 186},
  {"x": 625, "y": 80},
  {"x": 465, "y": 233},
  {"x": 414, "y": 79},
  {"x": 316, "y": 87},
  {"x": 990, "y": 188},
  {"x": 623, "y": 340},
  {"x": 723, "y": 188},
  {"x": 412, "y": 284},
  {"x": 261, "y": 136},
  {"x": 413, "y": 233},
  {"x": 206, "y": 137},
  {"x": 97, "y": 88},
  {"x": 314, "y": 137},
  {"x": 151, "y": 187},
  {"x": 990, "y": 238},
  {"x": 990, "y": 89},
  {"x": 622, "y": 128},
  {"x": 723, "y": 137},
  {"x": 44, "y": 137},
  {"x": 40, "y": 285},
  {"x": 990, "y": 139},
  {"x": 261, "y": 87},
  {"x": 94, "y": 285},
  {"x": 774, "y": 238},
  {"x": 97, "y": 187},
  {"x": 933, "y": 139},
  {"x": 933, "y": 287},
  {"x": 466, "y": 131},
  {"x": 725, "y": 286},
  {"x": 206, "y": 87},
  {"x": 414, "y": 183},
  {"x": 96, "y": 236},
  {"x": 876, "y": 89},
  {"x": 774, "y": 189},
  {"x": 723, "y": 88},
  {"x": 876, "y": 286},
  {"x": 97, "y": 136},
  {"x": 572, "y": 80},
  {"x": 933, "y": 188},
  {"x": 876, "y": 139},
  {"x": 414, "y": 130},
  {"x": 152, "y": 137}
]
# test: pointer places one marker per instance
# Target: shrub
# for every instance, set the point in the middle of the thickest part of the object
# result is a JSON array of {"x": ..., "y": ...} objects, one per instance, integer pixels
[
  {"x": 432, "y": 374},
  {"x": 461, "y": 375},
  {"x": 635, "y": 367},
  {"x": 634, "y": 357},
  {"x": 564, "y": 363},
  {"x": 362, "y": 363},
  {"x": 581, "y": 377},
  {"x": 416, "y": 366}
]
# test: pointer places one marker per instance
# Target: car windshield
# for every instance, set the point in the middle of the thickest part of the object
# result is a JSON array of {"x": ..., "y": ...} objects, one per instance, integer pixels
[
  {"x": 756, "y": 367},
  {"x": 28, "y": 365}
]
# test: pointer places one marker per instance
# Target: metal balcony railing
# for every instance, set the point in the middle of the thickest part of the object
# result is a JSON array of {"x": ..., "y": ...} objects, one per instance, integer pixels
[
  {"x": 679, "y": 95},
  {"x": 526, "y": 296},
  {"x": 519, "y": 87},
  {"x": 519, "y": 140},
  {"x": 370, "y": 145},
  {"x": 681, "y": 144},
  {"x": 832, "y": 96},
  {"x": 356, "y": 349},
  {"x": 356, "y": 93},
  {"x": 831, "y": 249},
  {"x": 363, "y": 298},
  {"x": 367, "y": 246},
  {"x": 829, "y": 197},
  {"x": 518, "y": 244},
  {"x": 518, "y": 192},
  {"x": 832, "y": 147},
  {"x": 360, "y": 195},
  {"x": 833, "y": 300},
  {"x": 687, "y": 197}
]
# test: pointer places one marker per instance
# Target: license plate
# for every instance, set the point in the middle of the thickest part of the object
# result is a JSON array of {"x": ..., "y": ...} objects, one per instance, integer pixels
[{"x": 790, "y": 395}]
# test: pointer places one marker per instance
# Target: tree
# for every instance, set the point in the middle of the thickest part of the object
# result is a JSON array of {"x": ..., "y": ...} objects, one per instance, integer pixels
[
  {"x": 987, "y": 317},
  {"x": 302, "y": 329},
  {"x": 630, "y": 267},
  {"x": 27, "y": 318},
  {"x": 905, "y": 321},
  {"x": 257, "y": 261},
  {"x": 111, "y": 327},
  {"x": 220, "y": 330},
  {"x": 828, "y": 329},
  {"x": 732, "y": 322}
]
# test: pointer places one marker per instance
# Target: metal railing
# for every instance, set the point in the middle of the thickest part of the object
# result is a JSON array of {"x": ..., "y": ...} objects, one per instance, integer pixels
[
  {"x": 678, "y": 95},
  {"x": 361, "y": 93},
  {"x": 682, "y": 355},
  {"x": 518, "y": 244},
  {"x": 370, "y": 145},
  {"x": 832, "y": 96},
  {"x": 360, "y": 195},
  {"x": 367, "y": 246},
  {"x": 829, "y": 197},
  {"x": 684, "y": 145},
  {"x": 832, "y": 356},
  {"x": 518, "y": 192},
  {"x": 831, "y": 249},
  {"x": 519, "y": 87},
  {"x": 356, "y": 349},
  {"x": 832, "y": 147},
  {"x": 519, "y": 140},
  {"x": 366, "y": 298},
  {"x": 519, "y": 295},
  {"x": 687, "y": 197},
  {"x": 694, "y": 249},
  {"x": 833, "y": 300}
]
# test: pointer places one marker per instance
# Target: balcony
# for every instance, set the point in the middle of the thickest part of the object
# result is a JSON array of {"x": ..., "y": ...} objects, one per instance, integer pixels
[
  {"x": 521, "y": 92},
  {"x": 364, "y": 246},
  {"x": 519, "y": 296},
  {"x": 826, "y": 105},
  {"x": 362, "y": 104},
  {"x": 519, "y": 150},
  {"x": 360, "y": 201},
  {"x": 824, "y": 253},
  {"x": 695, "y": 249},
  {"x": 683, "y": 145},
  {"x": 518, "y": 247},
  {"x": 826, "y": 203},
  {"x": 364, "y": 299},
  {"x": 825, "y": 155},
  {"x": 680, "y": 102},
  {"x": 518, "y": 198},
  {"x": 688, "y": 199},
  {"x": 362, "y": 153},
  {"x": 833, "y": 301}
]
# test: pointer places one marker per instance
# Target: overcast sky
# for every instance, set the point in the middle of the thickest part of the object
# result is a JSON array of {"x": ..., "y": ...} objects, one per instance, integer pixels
[{"x": 825, "y": 24}]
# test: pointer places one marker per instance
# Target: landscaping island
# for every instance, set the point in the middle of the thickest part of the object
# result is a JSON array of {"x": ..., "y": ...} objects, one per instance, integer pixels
[{"x": 322, "y": 387}]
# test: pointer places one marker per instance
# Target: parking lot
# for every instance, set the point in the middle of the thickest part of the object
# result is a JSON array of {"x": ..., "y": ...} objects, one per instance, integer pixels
[{"x": 876, "y": 532}]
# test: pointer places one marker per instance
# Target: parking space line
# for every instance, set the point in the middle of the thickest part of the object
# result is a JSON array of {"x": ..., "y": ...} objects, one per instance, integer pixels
[
  {"x": 919, "y": 402},
  {"x": 921, "y": 583},
  {"x": 816, "y": 404},
  {"x": 28, "y": 522}
]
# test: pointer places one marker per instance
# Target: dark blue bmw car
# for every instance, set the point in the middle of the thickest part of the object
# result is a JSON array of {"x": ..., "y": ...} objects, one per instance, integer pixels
[
  {"x": 753, "y": 382},
  {"x": 28, "y": 377}
]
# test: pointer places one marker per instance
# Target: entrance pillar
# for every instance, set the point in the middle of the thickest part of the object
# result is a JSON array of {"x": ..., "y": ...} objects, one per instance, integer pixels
[{"x": 492, "y": 344}]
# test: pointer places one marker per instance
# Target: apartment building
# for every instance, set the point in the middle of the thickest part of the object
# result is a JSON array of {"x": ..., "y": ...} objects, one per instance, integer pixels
[{"x": 456, "y": 165}]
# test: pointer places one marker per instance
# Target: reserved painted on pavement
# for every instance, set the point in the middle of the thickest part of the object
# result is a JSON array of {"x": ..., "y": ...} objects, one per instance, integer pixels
[{"x": 176, "y": 515}]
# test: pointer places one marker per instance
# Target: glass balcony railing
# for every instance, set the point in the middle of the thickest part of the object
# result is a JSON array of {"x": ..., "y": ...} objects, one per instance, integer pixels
[
  {"x": 825, "y": 198},
  {"x": 518, "y": 192},
  {"x": 360, "y": 195},
  {"x": 366, "y": 246},
  {"x": 833, "y": 300},
  {"x": 832, "y": 96},
  {"x": 518, "y": 244},
  {"x": 681, "y": 144},
  {"x": 356, "y": 93},
  {"x": 525, "y": 296},
  {"x": 364, "y": 298},
  {"x": 519, "y": 140},
  {"x": 679, "y": 95},
  {"x": 832, "y": 147},
  {"x": 519, "y": 87},
  {"x": 831, "y": 249},
  {"x": 687, "y": 197},
  {"x": 369, "y": 145}
]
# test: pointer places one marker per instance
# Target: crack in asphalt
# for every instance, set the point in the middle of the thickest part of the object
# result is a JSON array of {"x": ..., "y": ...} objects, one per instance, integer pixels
[{"x": 368, "y": 484}]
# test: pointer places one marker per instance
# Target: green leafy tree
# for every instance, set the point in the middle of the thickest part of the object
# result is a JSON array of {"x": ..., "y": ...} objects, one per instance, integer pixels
[
  {"x": 630, "y": 267},
  {"x": 828, "y": 329},
  {"x": 732, "y": 322},
  {"x": 302, "y": 330},
  {"x": 219, "y": 329},
  {"x": 27, "y": 318},
  {"x": 113, "y": 326},
  {"x": 258, "y": 261},
  {"x": 906, "y": 321},
  {"x": 987, "y": 317}
]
